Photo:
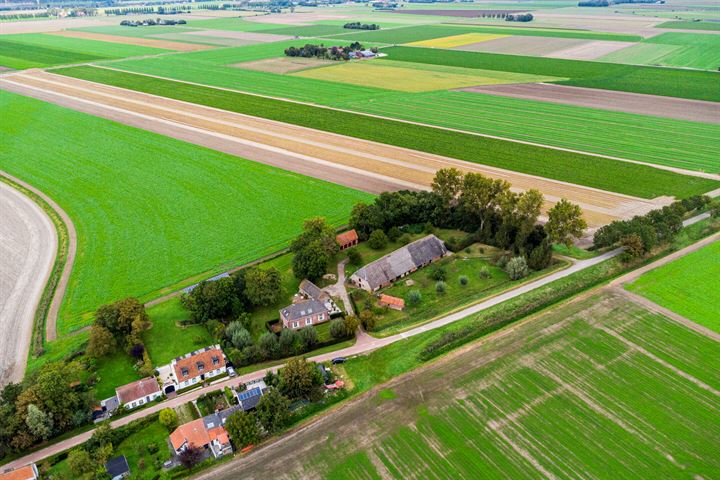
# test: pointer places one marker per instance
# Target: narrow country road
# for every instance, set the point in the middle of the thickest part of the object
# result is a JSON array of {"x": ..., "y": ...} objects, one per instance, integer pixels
[
  {"x": 364, "y": 344},
  {"x": 28, "y": 244}
]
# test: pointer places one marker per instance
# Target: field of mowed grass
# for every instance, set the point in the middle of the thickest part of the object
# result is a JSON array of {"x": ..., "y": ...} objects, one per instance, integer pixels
[
  {"x": 601, "y": 386},
  {"x": 624, "y": 135},
  {"x": 673, "y": 49},
  {"x": 669, "y": 82},
  {"x": 35, "y": 50},
  {"x": 689, "y": 25},
  {"x": 141, "y": 31},
  {"x": 150, "y": 211},
  {"x": 166, "y": 339},
  {"x": 605, "y": 174},
  {"x": 396, "y": 36},
  {"x": 689, "y": 286}
]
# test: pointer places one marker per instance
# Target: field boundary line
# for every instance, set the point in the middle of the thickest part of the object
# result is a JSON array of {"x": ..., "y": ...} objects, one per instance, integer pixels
[
  {"x": 58, "y": 288},
  {"x": 681, "y": 171}
]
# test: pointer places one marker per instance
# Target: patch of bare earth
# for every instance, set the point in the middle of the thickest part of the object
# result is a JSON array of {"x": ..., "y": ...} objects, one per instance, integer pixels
[
  {"x": 670, "y": 107},
  {"x": 249, "y": 36},
  {"x": 283, "y": 64},
  {"x": 590, "y": 50},
  {"x": 517, "y": 45},
  {"x": 143, "y": 42},
  {"x": 297, "y": 18},
  {"x": 41, "y": 26}
]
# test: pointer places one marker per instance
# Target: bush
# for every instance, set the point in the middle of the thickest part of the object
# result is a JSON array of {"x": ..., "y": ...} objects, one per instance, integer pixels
[
  {"x": 337, "y": 329},
  {"x": 309, "y": 337},
  {"x": 404, "y": 239},
  {"x": 516, "y": 268},
  {"x": 354, "y": 257},
  {"x": 463, "y": 280},
  {"x": 428, "y": 228},
  {"x": 484, "y": 273},
  {"x": 440, "y": 287},
  {"x": 394, "y": 233},
  {"x": 152, "y": 447},
  {"x": 378, "y": 240},
  {"x": 367, "y": 319},
  {"x": 438, "y": 273},
  {"x": 414, "y": 297}
]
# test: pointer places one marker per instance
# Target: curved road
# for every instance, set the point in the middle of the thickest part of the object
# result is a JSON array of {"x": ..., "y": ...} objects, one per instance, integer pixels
[{"x": 28, "y": 244}]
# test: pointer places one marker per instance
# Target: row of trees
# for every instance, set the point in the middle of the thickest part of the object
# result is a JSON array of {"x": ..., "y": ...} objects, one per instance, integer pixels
[
  {"x": 362, "y": 26},
  {"x": 323, "y": 52},
  {"x": 521, "y": 17},
  {"x": 151, "y": 22}
]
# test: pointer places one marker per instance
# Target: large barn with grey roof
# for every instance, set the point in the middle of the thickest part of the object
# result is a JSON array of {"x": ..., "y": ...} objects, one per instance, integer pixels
[{"x": 397, "y": 264}]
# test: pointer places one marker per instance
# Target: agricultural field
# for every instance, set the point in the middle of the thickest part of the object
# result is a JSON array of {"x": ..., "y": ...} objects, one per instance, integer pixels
[
  {"x": 40, "y": 50},
  {"x": 689, "y": 25},
  {"x": 605, "y": 174},
  {"x": 687, "y": 286},
  {"x": 151, "y": 211},
  {"x": 673, "y": 49},
  {"x": 600, "y": 385}
]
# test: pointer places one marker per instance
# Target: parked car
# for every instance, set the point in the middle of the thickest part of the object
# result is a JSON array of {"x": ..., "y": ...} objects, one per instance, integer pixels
[
  {"x": 338, "y": 360},
  {"x": 231, "y": 372}
]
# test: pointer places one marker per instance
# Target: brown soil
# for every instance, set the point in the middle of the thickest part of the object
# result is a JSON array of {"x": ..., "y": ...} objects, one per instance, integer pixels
[
  {"x": 249, "y": 36},
  {"x": 40, "y": 26},
  {"x": 590, "y": 50},
  {"x": 670, "y": 107},
  {"x": 456, "y": 13},
  {"x": 283, "y": 65},
  {"x": 534, "y": 46},
  {"x": 144, "y": 42}
]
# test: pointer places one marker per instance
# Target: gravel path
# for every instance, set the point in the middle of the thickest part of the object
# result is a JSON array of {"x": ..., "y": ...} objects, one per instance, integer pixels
[{"x": 28, "y": 244}]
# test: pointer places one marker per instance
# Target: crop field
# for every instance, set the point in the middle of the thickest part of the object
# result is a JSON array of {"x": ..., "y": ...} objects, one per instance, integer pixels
[
  {"x": 604, "y": 174},
  {"x": 685, "y": 25},
  {"x": 457, "y": 40},
  {"x": 673, "y": 49},
  {"x": 40, "y": 50},
  {"x": 625, "y": 135},
  {"x": 409, "y": 77},
  {"x": 691, "y": 84},
  {"x": 689, "y": 286},
  {"x": 600, "y": 386},
  {"x": 151, "y": 211}
]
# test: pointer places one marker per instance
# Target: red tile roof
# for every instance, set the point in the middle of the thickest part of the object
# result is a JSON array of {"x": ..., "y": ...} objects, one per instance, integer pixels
[
  {"x": 137, "y": 390},
  {"x": 390, "y": 300},
  {"x": 346, "y": 238},
  {"x": 22, "y": 473},
  {"x": 195, "y": 433},
  {"x": 192, "y": 363}
]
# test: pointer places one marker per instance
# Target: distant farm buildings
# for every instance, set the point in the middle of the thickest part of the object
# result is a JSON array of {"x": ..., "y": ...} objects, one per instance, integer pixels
[
  {"x": 391, "y": 302},
  {"x": 312, "y": 306},
  {"x": 347, "y": 239},
  {"x": 397, "y": 264}
]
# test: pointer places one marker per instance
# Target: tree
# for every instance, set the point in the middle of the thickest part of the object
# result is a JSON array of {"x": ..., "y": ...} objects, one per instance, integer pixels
[
  {"x": 311, "y": 262},
  {"x": 79, "y": 462},
  {"x": 481, "y": 196},
  {"x": 308, "y": 337},
  {"x": 101, "y": 342},
  {"x": 289, "y": 342},
  {"x": 273, "y": 410},
  {"x": 240, "y": 337},
  {"x": 367, "y": 319},
  {"x": 268, "y": 344},
  {"x": 351, "y": 324},
  {"x": 440, "y": 286},
  {"x": 541, "y": 256},
  {"x": 414, "y": 297},
  {"x": 447, "y": 185},
  {"x": 354, "y": 256},
  {"x": 263, "y": 287},
  {"x": 393, "y": 234},
  {"x": 298, "y": 378},
  {"x": 190, "y": 456},
  {"x": 565, "y": 222},
  {"x": 212, "y": 300},
  {"x": 39, "y": 422},
  {"x": 365, "y": 218},
  {"x": 168, "y": 418},
  {"x": 516, "y": 268},
  {"x": 634, "y": 247},
  {"x": 378, "y": 240},
  {"x": 243, "y": 429},
  {"x": 337, "y": 328}
]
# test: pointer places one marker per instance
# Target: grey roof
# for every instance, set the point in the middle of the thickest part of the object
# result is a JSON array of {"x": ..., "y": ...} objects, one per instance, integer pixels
[
  {"x": 302, "y": 309},
  {"x": 117, "y": 466},
  {"x": 311, "y": 290},
  {"x": 218, "y": 419},
  {"x": 250, "y": 398},
  {"x": 403, "y": 260}
]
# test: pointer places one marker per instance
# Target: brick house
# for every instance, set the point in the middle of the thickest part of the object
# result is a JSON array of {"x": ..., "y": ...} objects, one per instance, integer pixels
[
  {"x": 391, "y": 302},
  {"x": 303, "y": 314},
  {"x": 347, "y": 239},
  {"x": 28, "y": 472},
  {"x": 198, "y": 434},
  {"x": 138, "y": 393},
  {"x": 198, "y": 366}
]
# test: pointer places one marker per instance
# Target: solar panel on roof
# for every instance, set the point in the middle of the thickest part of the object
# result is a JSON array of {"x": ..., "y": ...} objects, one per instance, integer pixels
[{"x": 249, "y": 393}]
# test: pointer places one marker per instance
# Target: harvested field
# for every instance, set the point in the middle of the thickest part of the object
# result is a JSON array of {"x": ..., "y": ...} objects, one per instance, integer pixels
[
  {"x": 51, "y": 25},
  {"x": 534, "y": 46},
  {"x": 154, "y": 214},
  {"x": 590, "y": 50},
  {"x": 144, "y": 42},
  {"x": 457, "y": 40},
  {"x": 213, "y": 41},
  {"x": 248, "y": 36},
  {"x": 297, "y": 18},
  {"x": 693, "y": 110},
  {"x": 405, "y": 168},
  {"x": 408, "y": 77},
  {"x": 456, "y": 12},
  {"x": 283, "y": 65},
  {"x": 599, "y": 386}
]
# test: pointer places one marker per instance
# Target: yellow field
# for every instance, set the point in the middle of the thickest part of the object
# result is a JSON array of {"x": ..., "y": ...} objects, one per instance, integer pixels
[
  {"x": 410, "y": 77},
  {"x": 457, "y": 40}
]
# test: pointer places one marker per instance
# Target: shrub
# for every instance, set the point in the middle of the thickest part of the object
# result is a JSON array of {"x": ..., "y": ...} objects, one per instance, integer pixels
[
  {"x": 367, "y": 319},
  {"x": 516, "y": 268},
  {"x": 463, "y": 280},
  {"x": 308, "y": 336},
  {"x": 414, "y": 297},
  {"x": 152, "y": 447},
  {"x": 378, "y": 240},
  {"x": 337, "y": 328},
  {"x": 351, "y": 323},
  {"x": 438, "y": 273},
  {"x": 440, "y": 287},
  {"x": 428, "y": 228},
  {"x": 484, "y": 273},
  {"x": 354, "y": 257},
  {"x": 404, "y": 239},
  {"x": 393, "y": 234}
]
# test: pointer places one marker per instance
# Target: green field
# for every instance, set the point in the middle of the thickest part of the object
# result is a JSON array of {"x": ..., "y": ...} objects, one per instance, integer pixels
[
  {"x": 687, "y": 25},
  {"x": 166, "y": 339},
  {"x": 689, "y": 286},
  {"x": 630, "y": 78},
  {"x": 601, "y": 386},
  {"x": 34, "y": 50},
  {"x": 625, "y": 135},
  {"x": 673, "y": 49},
  {"x": 151, "y": 211},
  {"x": 596, "y": 172}
]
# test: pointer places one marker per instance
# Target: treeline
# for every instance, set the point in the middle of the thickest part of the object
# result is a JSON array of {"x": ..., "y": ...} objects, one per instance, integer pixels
[
  {"x": 20, "y": 16},
  {"x": 521, "y": 17},
  {"x": 135, "y": 10},
  {"x": 323, "y": 52},
  {"x": 361, "y": 26},
  {"x": 607, "y": 3},
  {"x": 151, "y": 22},
  {"x": 486, "y": 209},
  {"x": 643, "y": 233}
]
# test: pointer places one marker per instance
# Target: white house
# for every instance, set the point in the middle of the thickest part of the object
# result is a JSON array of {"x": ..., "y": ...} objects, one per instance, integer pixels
[
  {"x": 138, "y": 393},
  {"x": 197, "y": 366}
]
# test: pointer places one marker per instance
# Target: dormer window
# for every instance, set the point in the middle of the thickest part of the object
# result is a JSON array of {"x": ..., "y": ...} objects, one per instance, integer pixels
[
  {"x": 215, "y": 360},
  {"x": 184, "y": 371},
  {"x": 200, "y": 366}
]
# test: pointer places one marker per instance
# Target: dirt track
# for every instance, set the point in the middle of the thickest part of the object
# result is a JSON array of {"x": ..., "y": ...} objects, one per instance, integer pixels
[
  {"x": 366, "y": 165},
  {"x": 28, "y": 244},
  {"x": 670, "y": 107}
]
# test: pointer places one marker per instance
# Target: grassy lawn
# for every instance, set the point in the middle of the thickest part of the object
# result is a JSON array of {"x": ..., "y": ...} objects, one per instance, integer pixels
[
  {"x": 689, "y": 286},
  {"x": 574, "y": 252},
  {"x": 143, "y": 464},
  {"x": 576, "y": 168},
  {"x": 152, "y": 213},
  {"x": 167, "y": 339},
  {"x": 113, "y": 371}
]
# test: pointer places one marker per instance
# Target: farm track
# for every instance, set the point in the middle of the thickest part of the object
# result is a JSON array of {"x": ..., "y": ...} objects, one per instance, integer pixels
[{"x": 365, "y": 165}]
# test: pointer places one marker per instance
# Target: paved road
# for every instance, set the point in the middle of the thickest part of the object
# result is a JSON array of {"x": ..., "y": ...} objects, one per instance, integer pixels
[
  {"x": 28, "y": 244},
  {"x": 364, "y": 344}
]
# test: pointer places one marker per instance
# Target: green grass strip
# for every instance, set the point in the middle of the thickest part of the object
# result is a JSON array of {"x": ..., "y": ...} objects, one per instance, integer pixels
[
  {"x": 691, "y": 25},
  {"x": 597, "y": 172}
]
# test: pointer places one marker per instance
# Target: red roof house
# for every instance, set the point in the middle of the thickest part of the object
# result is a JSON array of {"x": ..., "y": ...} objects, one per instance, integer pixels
[
  {"x": 391, "y": 302},
  {"x": 347, "y": 239},
  {"x": 28, "y": 472},
  {"x": 138, "y": 393}
]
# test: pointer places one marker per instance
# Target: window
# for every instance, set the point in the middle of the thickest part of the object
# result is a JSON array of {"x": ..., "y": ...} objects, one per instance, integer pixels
[
  {"x": 215, "y": 360},
  {"x": 308, "y": 321},
  {"x": 184, "y": 372},
  {"x": 321, "y": 317},
  {"x": 200, "y": 366},
  {"x": 140, "y": 402},
  {"x": 295, "y": 324}
]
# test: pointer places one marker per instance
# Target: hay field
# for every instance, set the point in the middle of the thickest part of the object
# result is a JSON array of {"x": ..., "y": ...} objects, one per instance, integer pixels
[
  {"x": 601, "y": 387},
  {"x": 141, "y": 41},
  {"x": 457, "y": 40},
  {"x": 409, "y": 77},
  {"x": 674, "y": 49},
  {"x": 690, "y": 25},
  {"x": 516, "y": 45},
  {"x": 151, "y": 211},
  {"x": 689, "y": 286}
]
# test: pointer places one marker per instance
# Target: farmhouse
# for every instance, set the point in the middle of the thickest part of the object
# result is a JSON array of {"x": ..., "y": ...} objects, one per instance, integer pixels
[
  {"x": 198, "y": 434},
  {"x": 391, "y": 302},
  {"x": 118, "y": 468},
  {"x": 197, "y": 366},
  {"x": 138, "y": 393},
  {"x": 397, "y": 264},
  {"x": 347, "y": 239},
  {"x": 310, "y": 307},
  {"x": 28, "y": 472}
]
